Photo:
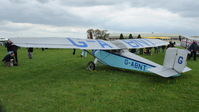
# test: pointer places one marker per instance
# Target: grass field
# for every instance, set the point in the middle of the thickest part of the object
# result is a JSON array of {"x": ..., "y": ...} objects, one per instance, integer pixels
[{"x": 57, "y": 81}]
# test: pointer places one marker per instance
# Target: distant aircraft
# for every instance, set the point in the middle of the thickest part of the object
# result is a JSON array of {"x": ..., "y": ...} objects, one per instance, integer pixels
[
  {"x": 3, "y": 40},
  {"x": 188, "y": 41},
  {"x": 116, "y": 54},
  {"x": 162, "y": 38}
]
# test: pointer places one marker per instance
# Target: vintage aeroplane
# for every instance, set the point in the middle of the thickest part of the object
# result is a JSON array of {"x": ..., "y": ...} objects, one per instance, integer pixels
[
  {"x": 3, "y": 40},
  {"x": 187, "y": 41},
  {"x": 116, "y": 54}
]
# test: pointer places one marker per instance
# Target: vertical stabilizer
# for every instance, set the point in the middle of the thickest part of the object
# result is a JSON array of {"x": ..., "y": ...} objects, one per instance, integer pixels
[
  {"x": 180, "y": 60},
  {"x": 169, "y": 58},
  {"x": 174, "y": 63},
  {"x": 175, "y": 59}
]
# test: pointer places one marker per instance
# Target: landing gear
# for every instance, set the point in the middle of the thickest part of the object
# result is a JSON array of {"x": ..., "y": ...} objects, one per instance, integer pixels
[{"x": 91, "y": 66}]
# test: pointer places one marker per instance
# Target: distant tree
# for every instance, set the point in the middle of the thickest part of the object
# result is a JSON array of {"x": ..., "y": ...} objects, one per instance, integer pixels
[
  {"x": 100, "y": 34},
  {"x": 139, "y": 36},
  {"x": 97, "y": 33},
  {"x": 90, "y": 33},
  {"x": 104, "y": 34},
  {"x": 130, "y": 36},
  {"x": 121, "y": 36},
  {"x": 180, "y": 37}
]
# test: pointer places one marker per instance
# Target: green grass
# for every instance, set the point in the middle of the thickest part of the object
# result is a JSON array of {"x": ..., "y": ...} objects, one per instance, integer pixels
[{"x": 57, "y": 81}]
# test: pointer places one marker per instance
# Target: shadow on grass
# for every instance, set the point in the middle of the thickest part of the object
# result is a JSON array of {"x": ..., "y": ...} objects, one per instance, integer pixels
[
  {"x": 2, "y": 109},
  {"x": 151, "y": 77}
]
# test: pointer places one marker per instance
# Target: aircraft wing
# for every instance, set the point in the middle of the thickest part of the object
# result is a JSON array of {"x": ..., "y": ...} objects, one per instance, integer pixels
[
  {"x": 52, "y": 42},
  {"x": 138, "y": 43},
  {"x": 3, "y": 39},
  {"x": 76, "y": 43},
  {"x": 192, "y": 38}
]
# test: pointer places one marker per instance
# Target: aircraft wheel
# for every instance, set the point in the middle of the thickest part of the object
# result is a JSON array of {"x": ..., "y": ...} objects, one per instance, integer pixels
[{"x": 91, "y": 66}]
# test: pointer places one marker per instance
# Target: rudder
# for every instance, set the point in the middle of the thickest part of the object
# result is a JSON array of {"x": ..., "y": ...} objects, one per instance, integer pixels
[{"x": 176, "y": 59}]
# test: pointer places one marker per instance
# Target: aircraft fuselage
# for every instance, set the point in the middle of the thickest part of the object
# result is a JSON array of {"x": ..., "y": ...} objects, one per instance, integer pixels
[{"x": 124, "y": 59}]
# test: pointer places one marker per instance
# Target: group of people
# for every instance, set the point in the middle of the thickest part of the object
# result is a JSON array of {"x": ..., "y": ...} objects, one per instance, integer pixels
[
  {"x": 148, "y": 51},
  {"x": 11, "y": 58},
  {"x": 193, "y": 48}
]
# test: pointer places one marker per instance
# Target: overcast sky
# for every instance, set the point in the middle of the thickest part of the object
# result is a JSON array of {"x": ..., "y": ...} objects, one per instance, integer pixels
[{"x": 71, "y": 18}]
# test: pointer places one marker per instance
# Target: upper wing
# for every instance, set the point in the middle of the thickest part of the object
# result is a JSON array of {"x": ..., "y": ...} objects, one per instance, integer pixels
[
  {"x": 77, "y": 43},
  {"x": 138, "y": 43},
  {"x": 3, "y": 39},
  {"x": 192, "y": 38},
  {"x": 52, "y": 42}
]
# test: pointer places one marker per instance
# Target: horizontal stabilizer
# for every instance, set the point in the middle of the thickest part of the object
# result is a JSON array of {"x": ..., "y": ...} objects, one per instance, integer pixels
[
  {"x": 167, "y": 72},
  {"x": 163, "y": 71},
  {"x": 186, "y": 69}
]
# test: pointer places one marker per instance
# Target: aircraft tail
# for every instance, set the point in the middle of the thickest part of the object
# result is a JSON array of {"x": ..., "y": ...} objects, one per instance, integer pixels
[{"x": 174, "y": 63}]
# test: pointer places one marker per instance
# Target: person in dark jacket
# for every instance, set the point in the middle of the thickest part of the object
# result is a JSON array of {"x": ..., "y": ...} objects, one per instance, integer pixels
[
  {"x": 74, "y": 50},
  {"x": 11, "y": 47},
  {"x": 8, "y": 45},
  {"x": 42, "y": 49},
  {"x": 15, "y": 48},
  {"x": 193, "y": 49},
  {"x": 170, "y": 45},
  {"x": 148, "y": 50},
  {"x": 9, "y": 59},
  {"x": 30, "y": 51}
]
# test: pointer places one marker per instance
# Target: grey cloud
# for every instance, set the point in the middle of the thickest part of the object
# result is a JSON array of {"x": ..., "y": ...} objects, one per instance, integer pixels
[
  {"x": 187, "y": 8},
  {"x": 6, "y": 26},
  {"x": 39, "y": 14},
  {"x": 44, "y": 1},
  {"x": 50, "y": 12},
  {"x": 89, "y": 2},
  {"x": 17, "y": 1},
  {"x": 183, "y": 7}
]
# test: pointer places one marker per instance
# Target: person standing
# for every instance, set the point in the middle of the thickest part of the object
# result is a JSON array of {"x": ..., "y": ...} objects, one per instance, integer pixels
[
  {"x": 15, "y": 48},
  {"x": 74, "y": 50},
  {"x": 8, "y": 45},
  {"x": 171, "y": 44},
  {"x": 155, "y": 50},
  {"x": 163, "y": 48},
  {"x": 30, "y": 51},
  {"x": 193, "y": 49}
]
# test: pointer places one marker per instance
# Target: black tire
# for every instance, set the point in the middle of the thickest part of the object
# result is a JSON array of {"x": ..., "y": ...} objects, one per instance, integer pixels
[{"x": 91, "y": 66}]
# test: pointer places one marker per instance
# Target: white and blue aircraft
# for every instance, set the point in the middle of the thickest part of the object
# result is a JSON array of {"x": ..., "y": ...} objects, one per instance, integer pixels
[
  {"x": 3, "y": 40},
  {"x": 116, "y": 54}
]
